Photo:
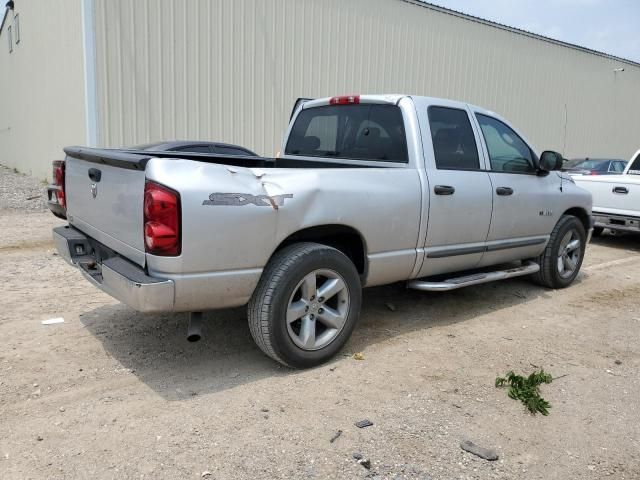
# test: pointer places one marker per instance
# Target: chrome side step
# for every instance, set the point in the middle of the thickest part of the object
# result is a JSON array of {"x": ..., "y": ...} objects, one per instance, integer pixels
[{"x": 474, "y": 279}]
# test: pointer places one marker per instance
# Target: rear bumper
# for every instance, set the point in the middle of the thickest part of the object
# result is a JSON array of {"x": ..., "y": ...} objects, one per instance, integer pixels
[
  {"x": 624, "y": 223},
  {"x": 113, "y": 274}
]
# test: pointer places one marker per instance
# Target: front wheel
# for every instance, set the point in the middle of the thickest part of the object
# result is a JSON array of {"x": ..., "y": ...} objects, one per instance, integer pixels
[
  {"x": 306, "y": 304},
  {"x": 562, "y": 258}
]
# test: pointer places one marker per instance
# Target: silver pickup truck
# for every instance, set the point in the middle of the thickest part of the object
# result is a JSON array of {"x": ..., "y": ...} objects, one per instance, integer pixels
[{"x": 368, "y": 190}]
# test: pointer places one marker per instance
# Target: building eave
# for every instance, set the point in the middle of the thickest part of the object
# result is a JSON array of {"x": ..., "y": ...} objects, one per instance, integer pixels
[{"x": 518, "y": 31}]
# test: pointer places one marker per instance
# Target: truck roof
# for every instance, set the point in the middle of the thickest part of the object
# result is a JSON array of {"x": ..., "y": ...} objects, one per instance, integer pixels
[{"x": 393, "y": 99}]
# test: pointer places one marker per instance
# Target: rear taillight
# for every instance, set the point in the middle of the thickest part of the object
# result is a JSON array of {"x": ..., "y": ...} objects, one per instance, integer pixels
[
  {"x": 345, "y": 100},
  {"x": 161, "y": 220},
  {"x": 58, "y": 180}
]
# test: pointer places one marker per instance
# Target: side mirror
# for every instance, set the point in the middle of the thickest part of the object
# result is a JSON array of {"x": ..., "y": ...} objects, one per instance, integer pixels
[{"x": 550, "y": 160}]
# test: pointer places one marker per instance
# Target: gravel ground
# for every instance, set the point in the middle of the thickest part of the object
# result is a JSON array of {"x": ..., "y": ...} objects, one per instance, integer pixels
[
  {"x": 115, "y": 394},
  {"x": 21, "y": 192}
]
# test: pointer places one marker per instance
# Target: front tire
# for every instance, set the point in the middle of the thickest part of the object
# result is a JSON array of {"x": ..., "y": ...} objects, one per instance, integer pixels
[
  {"x": 562, "y": 258},
  {"x": 306, "y": 305}
]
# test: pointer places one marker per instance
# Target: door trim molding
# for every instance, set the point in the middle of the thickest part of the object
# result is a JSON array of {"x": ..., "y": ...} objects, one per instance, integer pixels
[
  {"x": 503, "y": 245},
  {"x": 516, "y": 244},
  {"x": 455, "y": 251}
]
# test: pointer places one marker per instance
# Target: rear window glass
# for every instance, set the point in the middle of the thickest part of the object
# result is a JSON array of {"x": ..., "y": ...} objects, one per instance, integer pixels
[
  {"x": 231, "y": 151},
  {"x": 146, "y": 146},
  {"x": 618, "y": 167},
  {"x": 358, "y": 132},
  {"x": 193, "y": 149},
  {"x": 592, "y": 165}
]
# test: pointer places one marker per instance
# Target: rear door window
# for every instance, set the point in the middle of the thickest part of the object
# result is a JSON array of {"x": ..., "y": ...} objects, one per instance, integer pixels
[
  {"x": 357, "y": 132},
  {"x": 454, "y": 145}
]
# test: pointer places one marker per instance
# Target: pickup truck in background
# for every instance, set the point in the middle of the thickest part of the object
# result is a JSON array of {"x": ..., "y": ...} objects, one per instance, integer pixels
[
  {"x": 616, "y": 198},
  {"x": 369, "y": 190}
]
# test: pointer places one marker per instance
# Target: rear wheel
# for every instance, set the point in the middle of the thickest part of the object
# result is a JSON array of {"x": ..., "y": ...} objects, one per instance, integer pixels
[
  {"x": 562, "y": 258},
  {"x": 306, "y": 305}
]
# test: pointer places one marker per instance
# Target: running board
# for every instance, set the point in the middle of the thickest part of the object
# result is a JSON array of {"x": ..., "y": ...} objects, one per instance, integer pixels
[{"x": 475, "y": 279}]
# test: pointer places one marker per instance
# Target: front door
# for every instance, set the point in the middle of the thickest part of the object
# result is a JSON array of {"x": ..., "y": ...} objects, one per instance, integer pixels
[
  {"x": 523, "y": 207},
  {"x": 459, "y": 191}
]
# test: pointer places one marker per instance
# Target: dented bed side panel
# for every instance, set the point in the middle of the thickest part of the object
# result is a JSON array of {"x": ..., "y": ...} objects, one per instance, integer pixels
[
  {"x": 215, "y": 237},
  {"x": 234, "y": 218}
]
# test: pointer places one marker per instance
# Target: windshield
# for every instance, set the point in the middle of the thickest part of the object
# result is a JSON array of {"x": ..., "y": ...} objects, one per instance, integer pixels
[{"x": 358, "y": 132}]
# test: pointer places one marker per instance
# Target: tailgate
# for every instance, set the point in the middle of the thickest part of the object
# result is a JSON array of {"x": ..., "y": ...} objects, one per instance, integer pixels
[
  {"x": 105, "y": 201},
  {"x": 612, "y": 193}
]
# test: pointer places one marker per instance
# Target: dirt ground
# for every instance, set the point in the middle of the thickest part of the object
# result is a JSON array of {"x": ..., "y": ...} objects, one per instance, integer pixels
[{"x": 112, "y": 393}]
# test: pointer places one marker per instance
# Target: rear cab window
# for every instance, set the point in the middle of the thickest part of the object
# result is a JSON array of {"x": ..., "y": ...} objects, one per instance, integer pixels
[{"x": 370, "y": 132}]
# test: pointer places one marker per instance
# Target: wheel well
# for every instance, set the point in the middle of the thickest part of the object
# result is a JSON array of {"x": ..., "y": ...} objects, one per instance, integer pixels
[
  {"x": 581, "y": 214},
  {"x": 346, "y": 239}
]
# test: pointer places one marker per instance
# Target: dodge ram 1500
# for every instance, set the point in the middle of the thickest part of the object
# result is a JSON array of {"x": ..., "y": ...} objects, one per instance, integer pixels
[{"x": 368, "y": 190}]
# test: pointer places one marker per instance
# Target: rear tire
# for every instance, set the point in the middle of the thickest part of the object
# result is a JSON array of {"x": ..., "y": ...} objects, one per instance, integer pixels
[
  {"x": 290, "y": 319},
  {"x": 562, "y": 258}
]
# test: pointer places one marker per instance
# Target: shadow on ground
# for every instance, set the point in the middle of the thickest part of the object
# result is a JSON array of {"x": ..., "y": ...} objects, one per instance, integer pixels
[
  {"x": 154, "y": 346},
  {"x": 623, "y": 240}
]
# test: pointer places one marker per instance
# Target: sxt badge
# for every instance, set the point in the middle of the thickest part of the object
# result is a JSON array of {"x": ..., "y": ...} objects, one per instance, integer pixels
[{"x": 241, "y": 199}]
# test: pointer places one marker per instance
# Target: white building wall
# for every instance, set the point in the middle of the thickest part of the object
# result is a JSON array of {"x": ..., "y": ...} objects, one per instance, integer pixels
[
  {"x": 41, "y": 85},
  {"x": 230, "y": 70}
]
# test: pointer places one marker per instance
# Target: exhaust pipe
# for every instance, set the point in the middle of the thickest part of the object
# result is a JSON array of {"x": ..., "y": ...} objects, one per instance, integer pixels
[{"x": 194, "y": 330}]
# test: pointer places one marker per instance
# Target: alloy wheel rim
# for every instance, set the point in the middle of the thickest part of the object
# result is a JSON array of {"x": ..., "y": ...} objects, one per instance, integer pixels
[
  {"x": 569, "y": 254},
  {"x": 318, "y": 309}
]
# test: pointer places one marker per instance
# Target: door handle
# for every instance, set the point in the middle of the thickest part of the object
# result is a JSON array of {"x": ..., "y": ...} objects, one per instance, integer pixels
[
  {"x": 623, "y": 190},
  {"x": 95, "y": 174},
  {"x": 504, "y": 191},
  {"x": 443, "y": 190}
]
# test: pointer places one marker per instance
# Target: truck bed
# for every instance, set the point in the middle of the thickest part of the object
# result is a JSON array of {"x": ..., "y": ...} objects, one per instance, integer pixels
[{"x": 105, "y": 189}]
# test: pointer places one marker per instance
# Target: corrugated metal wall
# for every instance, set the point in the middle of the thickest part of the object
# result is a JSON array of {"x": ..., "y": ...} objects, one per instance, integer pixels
[
  {"x": 230, "y": 70},
  {"x": 41, "y": 85}
]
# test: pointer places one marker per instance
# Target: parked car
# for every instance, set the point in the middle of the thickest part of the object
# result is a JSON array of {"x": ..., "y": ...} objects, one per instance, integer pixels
[
  {"x": 195, "y": 147},
  {"x": 369, "y": 190},
  {"x": 616, "y": 199},
  {"x": 55, "y": 195},
  {"x": 594, "y": 166}
]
